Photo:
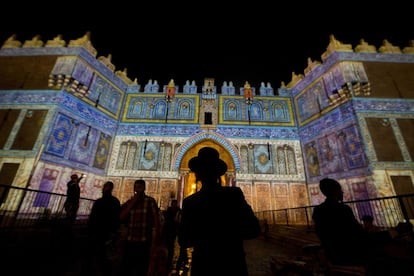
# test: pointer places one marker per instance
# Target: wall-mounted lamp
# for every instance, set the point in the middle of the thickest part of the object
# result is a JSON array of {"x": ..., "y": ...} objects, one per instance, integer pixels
[
  {"x": 75, "y": 122},
  {"x": 85, "y": 143},
  {"x": 385, "y": 122},
  {"x": 268, "y": 151},
  {"x": 341, "y": 134},
  {"x": 29, "y": 114}
]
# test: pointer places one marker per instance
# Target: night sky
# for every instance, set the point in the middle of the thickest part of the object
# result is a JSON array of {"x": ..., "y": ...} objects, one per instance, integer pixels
[{"x": 255, "y": 42}]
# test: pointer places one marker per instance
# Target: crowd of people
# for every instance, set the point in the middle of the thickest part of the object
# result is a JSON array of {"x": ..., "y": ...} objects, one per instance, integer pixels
[{"x": 137, "y": 238}]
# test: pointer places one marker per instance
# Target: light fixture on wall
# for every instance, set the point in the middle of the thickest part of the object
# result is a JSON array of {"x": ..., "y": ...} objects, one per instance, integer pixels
[
  {"x": 97, "y": 100},
  {"x": 248, "y": 98},
  {"x": 75, "y": 122},
  {"x": 169, "y": 95},
  {"x": 341, "y": 134},
  {"x": 29, "y": 114},
  {"x": 85, "y": 143},
  {"x": 145, "y": 146},
  {"x": 268, "y": 150},
  {"x": 385, "y": 122}
]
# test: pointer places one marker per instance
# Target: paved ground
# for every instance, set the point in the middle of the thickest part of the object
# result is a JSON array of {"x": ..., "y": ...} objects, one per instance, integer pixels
[
  {"x": 259, "y": 252},
  {"x": 59, "y": 253},
  {"x": 258, "y": 256}
]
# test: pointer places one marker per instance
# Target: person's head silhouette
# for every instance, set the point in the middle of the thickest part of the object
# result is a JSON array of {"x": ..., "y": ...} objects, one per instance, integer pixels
[
  {"x": 208, "y": 166},
  {"x": 107, "y": 188},
  {"x": 331, "y": 189}
]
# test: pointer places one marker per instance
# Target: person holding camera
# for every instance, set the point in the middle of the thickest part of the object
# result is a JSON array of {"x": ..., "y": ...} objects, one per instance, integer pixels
[{"x": 72, "y": 197}]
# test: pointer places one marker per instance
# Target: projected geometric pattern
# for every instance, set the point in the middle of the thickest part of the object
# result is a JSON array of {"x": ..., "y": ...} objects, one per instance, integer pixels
[{"x": 60, "y": 136}]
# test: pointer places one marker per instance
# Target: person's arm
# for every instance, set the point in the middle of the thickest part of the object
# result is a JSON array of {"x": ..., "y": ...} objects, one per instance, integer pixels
[
  {"x": 351, "y": 219},
  {"x": 317, "y": 223},
  {"x": 116, "y": 212},
  {"x": 186, "y": 234},
  {"x": 250, "y": 223},
  {"x": 126, "y": 208},
  {"x": 156, "y": 227}
]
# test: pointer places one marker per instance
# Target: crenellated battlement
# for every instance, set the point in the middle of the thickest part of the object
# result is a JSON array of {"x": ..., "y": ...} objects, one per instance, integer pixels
[{"x": 37, "y": 46}]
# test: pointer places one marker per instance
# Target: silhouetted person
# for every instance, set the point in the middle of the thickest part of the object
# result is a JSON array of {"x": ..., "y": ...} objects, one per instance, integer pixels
[
  {"x": 344, "y": 240},
  {"x": 216, "y": 220},
  {"x": 341, "y": 235},
  {"x": 72, "y": 197},
  {"x": 103, "y": 227},
  {"x": 404, "y": 232},
  {"x": 182, "y": 260},
  {"x": 142, "y": 217},
  {"x": 368, "y": 224},
  {"x": 170, "y": 228}
]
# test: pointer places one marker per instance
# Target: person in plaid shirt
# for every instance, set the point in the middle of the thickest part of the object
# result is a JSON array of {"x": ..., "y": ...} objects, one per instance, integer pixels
[{"x": 142, "y": 217}]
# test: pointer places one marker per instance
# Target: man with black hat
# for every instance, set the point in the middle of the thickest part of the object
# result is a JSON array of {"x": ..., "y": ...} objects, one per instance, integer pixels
[{"x": 216, "y": 220}]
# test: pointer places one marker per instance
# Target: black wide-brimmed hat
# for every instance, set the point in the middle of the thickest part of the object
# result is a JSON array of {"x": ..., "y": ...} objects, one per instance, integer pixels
[{"x": 208, "y": 161}]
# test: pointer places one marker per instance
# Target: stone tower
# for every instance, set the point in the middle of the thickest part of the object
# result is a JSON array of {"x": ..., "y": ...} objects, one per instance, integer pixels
[{"x": 208, "y": 105}]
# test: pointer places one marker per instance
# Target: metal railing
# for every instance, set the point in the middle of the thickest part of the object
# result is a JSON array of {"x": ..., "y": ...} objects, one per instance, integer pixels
[
  {"x": 24, "y": 207},
  {"x": 386, "y": 211}
]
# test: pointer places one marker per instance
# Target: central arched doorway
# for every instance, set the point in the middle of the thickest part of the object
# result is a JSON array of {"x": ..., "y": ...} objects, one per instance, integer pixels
[{"x": 188, "y": 184}]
